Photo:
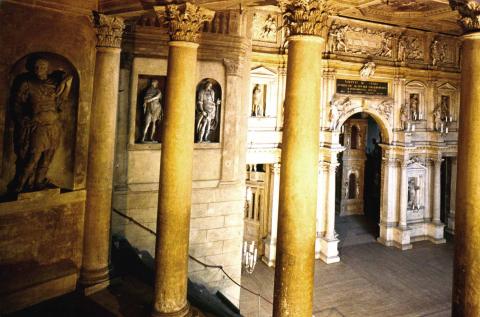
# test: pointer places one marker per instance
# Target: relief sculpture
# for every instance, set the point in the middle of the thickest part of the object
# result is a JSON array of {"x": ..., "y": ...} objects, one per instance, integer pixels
[{"x": 37, "y": 100}]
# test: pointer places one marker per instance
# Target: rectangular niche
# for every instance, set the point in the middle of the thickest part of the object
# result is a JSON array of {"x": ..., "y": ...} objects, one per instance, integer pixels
[{"x": 150, "y": 108}]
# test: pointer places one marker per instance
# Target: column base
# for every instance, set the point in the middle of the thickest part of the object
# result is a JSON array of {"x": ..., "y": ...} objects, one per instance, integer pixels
[
  {"x": 435, "y": 232},
  {"x": 270, "y": 251},
  {"x": 329, "y": 250},
  {"x": 184, "y": 312},
  {"x": 386, "y": 233},
  {"x": 401, "y": 238},
  {"x": 92, "y": 281}
]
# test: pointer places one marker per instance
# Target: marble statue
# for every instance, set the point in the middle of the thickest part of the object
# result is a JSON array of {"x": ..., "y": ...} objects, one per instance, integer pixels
[
  {"x": 346, "y": 189},
  {"x": 368, "y": 70},
  {"x": 37, "y": 104},
  {"x": 445, "y": 105},
  {"x": 402, "y": 49},
  {"x": 333, "y": 115},
  {"x": 152, "y": 109},
  {"x": 414, "y": 106},
  {"x": 257, "y": 101},
  {"x": 413, "y": 194},
  {"x": 206, "y": 112},
  {"x": 437, "y": 118}
]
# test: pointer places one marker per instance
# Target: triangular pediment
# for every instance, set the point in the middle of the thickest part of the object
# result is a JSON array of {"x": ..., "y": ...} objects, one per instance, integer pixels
[
  {"x": 262, "y": 71},
  {"x": 447, "y": 86}
]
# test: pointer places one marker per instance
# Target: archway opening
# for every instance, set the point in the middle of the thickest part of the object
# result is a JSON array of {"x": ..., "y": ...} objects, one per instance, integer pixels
[{"x": 359, "y": 181}]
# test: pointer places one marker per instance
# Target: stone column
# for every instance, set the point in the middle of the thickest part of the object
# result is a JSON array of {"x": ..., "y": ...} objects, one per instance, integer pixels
[
  {"x": 96, "y": 248},
  {"x": 401, "y": 232},
  {"x": 329, "y": 243},
  {"x": 293, "y": 286},
  {"x": 402, "y": 211},
  {"x": 435, "y": 228},
  {"x": 271, "y": 240},
  {"x": 389, "y": 196},
  {"x": 322, "y": 192},
  {"x": 453, "y": 192},
  {"x": 437, "y": 187},
  {"x": 466, "y": 282},
  {"x": 175, "y": 191}
]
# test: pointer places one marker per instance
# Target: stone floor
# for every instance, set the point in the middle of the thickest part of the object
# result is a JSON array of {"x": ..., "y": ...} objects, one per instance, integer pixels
[{"x": 371, "y": 280}]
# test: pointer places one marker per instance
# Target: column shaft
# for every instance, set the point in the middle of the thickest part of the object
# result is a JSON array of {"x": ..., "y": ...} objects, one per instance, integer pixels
[
  {"x": 437, "y": 191},
  {"x": 466, "y": 286},
  {"x": 103, "y": 120},
  {"x": 293, "y": 287},
  {"x": 330, "y": 232},
  {"x": 271, "y": 241},
  {"x": 175, "y": 192},
  {"x": 402, "y": 217}
]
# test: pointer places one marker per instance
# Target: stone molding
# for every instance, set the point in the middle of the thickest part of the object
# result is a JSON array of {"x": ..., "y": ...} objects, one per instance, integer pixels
[
  {"x": 305, "y": 17},
  {"x": 109, "y": 29},
  {"x": 470, "y": 14},
  {"x": 184, "y": 20}
]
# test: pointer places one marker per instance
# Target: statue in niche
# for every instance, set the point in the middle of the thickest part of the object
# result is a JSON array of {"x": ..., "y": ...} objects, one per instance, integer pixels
[
  {"x": 346, "y": 189},
  {"x": 437, "y": 118},
  {"x": 404, "y": 115},
  {"x": 257, "y": 101},
  {"x": 445, "y": 105},
  {"x": 368, "y": 70},
  {"x": 152, "y": 109},
  {"x": 413, "y": 194},
  {"x": 206, "y": 112},
  {"x": 414, "y": 106},
  {"x": 37, "y": 102}
]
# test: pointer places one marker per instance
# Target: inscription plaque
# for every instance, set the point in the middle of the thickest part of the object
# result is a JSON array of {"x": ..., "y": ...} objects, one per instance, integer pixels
[{"x": 360, "y": 87}]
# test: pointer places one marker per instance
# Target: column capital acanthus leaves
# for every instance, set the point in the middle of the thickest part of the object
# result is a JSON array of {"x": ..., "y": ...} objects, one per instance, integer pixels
[
  {"x": 305, "y": 17},
  {"x": 184, "y": 20},
  {"x": 469, "y": 11},
  {"x": 109, "y": 29},
  {"x": 233, "y": 66}
]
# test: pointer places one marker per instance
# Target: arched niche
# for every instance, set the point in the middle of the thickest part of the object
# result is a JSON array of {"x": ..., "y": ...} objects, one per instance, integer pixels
[
  {"x": 415, "y": 97},
  {"x": 208, "y": 111},
  {"x": 22, "y": 136},
  {"x": 447, "y": 98}
]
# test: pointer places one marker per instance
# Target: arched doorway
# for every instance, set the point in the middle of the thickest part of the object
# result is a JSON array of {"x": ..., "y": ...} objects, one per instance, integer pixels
[{"x": 359, "y": 181}]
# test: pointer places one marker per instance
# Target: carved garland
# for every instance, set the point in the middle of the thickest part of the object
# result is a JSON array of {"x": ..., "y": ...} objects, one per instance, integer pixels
[{"x": 308, "y": 17}]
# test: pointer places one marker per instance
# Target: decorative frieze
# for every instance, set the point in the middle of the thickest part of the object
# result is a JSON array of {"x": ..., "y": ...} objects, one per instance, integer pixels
[
  {"x": 109, "y": 29},
  {"x": 305, "y": 17},
  {"x": 410, "y": 48},
  {"x": 357, "y": 40},
  {"x": 265, "y": 27},
  {"x": 184, "y": 20},
  {"x": 470, "y": 14}
]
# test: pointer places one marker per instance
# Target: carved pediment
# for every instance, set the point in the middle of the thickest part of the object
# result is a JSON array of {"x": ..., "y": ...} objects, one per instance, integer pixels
[{"x": 262, "y": 71}]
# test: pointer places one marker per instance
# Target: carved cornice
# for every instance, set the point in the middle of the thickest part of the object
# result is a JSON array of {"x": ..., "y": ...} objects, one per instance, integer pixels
[
  {"x": 109, "y": 29},
  {"x": 470, "y": 14},
  {"x": 184, "y": 20},
  {"x": 305, "y": 17}
]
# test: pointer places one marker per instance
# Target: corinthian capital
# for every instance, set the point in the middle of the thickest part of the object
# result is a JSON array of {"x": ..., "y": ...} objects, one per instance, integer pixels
[
  {"x": 308, "y": 17},
  {"x": 109, "y": 29},
  {"x": 184, "y": 20},
  {"x": 470, "y": 14}
]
